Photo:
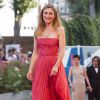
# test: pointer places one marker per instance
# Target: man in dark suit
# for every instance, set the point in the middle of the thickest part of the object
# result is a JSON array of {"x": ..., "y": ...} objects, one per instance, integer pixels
[{"x": 93, "y": 73}]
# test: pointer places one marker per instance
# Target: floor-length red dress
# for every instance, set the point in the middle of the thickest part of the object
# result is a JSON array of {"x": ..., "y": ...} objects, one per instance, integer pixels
[{"x": 45, "y": 87}]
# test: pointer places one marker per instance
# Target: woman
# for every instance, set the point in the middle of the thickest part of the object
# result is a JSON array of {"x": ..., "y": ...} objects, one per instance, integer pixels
[
  {"x": 78, "y": 73},
  {"x": 46, "y": 70}
]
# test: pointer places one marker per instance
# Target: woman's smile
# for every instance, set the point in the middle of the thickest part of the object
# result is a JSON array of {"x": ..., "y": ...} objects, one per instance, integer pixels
[{"x": 48, "y": 15}]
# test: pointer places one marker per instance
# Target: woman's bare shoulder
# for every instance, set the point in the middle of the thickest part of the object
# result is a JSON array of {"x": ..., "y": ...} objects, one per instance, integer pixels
[{"x": 60, "y": 28}]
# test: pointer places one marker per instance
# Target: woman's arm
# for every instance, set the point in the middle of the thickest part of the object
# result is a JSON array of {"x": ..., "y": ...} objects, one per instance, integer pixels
[
  {"x": 34, "y": 56},
  {"x": 69, "y": 76},
  {"x": 62, "y": 44},
  {"x": 33, "y": 59}
]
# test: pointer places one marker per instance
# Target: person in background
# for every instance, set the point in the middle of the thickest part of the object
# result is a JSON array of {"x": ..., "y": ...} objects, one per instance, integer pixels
[
  {"x": 29, "y": 55},
  {"x": 93, "y": 73},
  {"x": 11, "y": 56},
  {"x": 16, "y": 53},
  {"x": 2, "y": 55},
  {"x": 22, "y": 57},
  {"x": 78, "y": 73}
]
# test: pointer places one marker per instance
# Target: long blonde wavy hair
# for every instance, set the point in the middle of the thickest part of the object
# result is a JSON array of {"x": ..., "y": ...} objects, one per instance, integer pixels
[{"x": 41, "y": 25}]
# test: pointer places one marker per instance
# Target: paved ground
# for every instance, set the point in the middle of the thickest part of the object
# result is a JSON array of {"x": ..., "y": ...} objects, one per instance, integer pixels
[
  {"x": 31, "y": 99},
  {"x": 26, "y": 99},
  {"x": 25, "y": 95}
]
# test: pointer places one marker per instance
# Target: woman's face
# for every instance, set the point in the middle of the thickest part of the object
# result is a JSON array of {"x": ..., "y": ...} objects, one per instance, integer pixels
[
  {"x": 76, "y": 61},
  {"x": 48, "y": 15}
]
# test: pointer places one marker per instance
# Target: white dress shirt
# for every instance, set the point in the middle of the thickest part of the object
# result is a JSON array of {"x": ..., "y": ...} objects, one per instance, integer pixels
[{"x": 96, "y": 69}]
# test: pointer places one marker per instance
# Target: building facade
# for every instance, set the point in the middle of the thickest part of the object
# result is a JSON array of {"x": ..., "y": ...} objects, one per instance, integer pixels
[{"x": 62, "y": 6}]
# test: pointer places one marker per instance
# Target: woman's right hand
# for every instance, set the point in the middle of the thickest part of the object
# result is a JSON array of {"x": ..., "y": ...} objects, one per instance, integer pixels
[{"x": 30, "y": 75}]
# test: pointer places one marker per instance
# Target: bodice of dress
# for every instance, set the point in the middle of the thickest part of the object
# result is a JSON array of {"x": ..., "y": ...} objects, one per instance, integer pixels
[
  {"x": 78, "y": 74},
  {"x": 48, "y": 46}
]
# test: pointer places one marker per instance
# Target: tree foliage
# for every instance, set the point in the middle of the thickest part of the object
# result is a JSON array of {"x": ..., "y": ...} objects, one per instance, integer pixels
[
  {"x": 20, "y": 7},
  {"x": 1, "y": 3},
  {"x": 79, "y": 6},
  {"x": 84, "y": 7},
  {"x": 98, "y": 31},
  {"x": 81, "y": 30}
]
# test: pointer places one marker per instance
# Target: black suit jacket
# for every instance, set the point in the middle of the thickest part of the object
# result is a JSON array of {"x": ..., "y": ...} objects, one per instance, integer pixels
[{"x": 94, "y": 78}]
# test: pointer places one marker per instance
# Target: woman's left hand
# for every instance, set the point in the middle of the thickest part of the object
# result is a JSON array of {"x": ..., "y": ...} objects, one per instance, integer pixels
[
  {"x": 90, "y": 88},
  {"x": 54, "y": 70}
]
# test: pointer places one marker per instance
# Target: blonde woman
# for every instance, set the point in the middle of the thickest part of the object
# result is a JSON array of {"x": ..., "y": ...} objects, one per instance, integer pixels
[{"x": 46, "y": 70}]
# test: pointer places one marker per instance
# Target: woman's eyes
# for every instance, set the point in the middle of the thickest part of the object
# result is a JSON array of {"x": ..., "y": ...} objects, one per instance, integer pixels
[{"x": 50, "y": 13}]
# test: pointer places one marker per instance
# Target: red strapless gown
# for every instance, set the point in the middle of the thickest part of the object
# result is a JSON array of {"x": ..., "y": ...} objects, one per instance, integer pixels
[{"x": 45, "y": 87}]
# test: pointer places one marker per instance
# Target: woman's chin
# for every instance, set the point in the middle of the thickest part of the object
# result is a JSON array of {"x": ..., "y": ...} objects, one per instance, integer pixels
[{"x": 48, "y": 22}]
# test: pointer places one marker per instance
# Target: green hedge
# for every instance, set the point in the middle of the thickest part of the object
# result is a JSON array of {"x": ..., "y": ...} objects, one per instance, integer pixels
[
  {"x": 97, "y": 21},
  {"x": 13, "y": 78},
  {"x": 82, "y": 30}
]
